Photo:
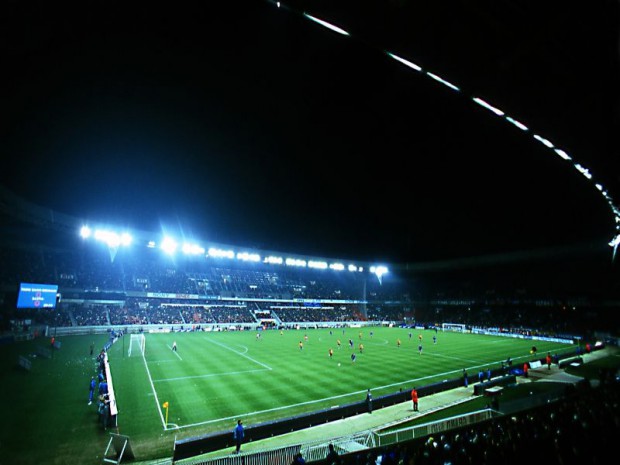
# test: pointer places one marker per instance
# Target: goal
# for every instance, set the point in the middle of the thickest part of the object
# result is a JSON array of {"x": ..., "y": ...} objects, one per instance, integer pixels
[
  {"x": 457, "y": 327},
  {"x": 137, "y": 344}
]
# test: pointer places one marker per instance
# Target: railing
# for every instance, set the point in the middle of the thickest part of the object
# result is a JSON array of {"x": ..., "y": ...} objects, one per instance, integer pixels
[
  {"x": 317, "y": 450},
  {"x": 279, "y": 456},
  {"x": 417, "y": 431}
]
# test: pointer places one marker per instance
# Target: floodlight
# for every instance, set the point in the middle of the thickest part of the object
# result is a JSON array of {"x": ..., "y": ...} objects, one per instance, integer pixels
[
  {"x": 484, "y": 104},
  {"x": 274, "y": 260},
  {"x": 248, "y": 257},
  {"x": 518, "y": 124},
  {"x": 544, "y": 141},
  {"x": 126, "y": 239},
  {"x": 219, "y": 253},
  {"x": 295, "y": 262},
  {"x": 405, "y": 62},
  {"x": 327, "y": 25},
  {"x": 169, "y": 245},
  {"x": 192, "y": 249},
  {"x": 562, "y": 154},
  {"x": 583, "y": 171},
  {"x": 442, "y": 81},
  {"x": 85, "y": 232},
  {"x": 379, "y": 270},
  {"x": 107, "y": 237}
]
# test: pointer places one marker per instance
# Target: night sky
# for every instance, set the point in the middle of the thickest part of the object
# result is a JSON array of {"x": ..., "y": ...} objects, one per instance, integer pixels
[{"x": 244, "y": 123}]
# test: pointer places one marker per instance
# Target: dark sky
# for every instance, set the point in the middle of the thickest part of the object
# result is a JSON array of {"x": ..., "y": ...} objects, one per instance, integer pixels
[{"x": 242, "y": 123}]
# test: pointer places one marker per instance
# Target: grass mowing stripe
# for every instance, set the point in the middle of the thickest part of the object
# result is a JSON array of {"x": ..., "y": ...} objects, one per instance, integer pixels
[
  {"x": 205, "y": 401},
  {"x": 452, "y": 357},
  {"x": 239, "y": 353},
  {"x": 210, "y": 375}
]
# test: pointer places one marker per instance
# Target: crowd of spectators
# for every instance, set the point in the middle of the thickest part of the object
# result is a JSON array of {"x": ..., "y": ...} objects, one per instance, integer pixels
[
  {"x": 580, "y": 428},
  {"x": 90, "y": 274}
]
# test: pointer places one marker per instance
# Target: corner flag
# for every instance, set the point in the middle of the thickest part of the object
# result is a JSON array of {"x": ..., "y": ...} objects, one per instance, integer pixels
[{"x": 165, "y": 405}]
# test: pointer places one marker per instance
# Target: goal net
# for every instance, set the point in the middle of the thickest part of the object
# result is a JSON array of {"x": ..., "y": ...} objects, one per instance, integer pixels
[
  {"x": 453, "y": 327},
  {"x": 137, "y": 344}
]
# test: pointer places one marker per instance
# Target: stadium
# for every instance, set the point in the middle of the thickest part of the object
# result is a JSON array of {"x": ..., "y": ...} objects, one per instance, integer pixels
[
  {"x": 252, "y": 332},
  {"x": 356, "y": 233}
]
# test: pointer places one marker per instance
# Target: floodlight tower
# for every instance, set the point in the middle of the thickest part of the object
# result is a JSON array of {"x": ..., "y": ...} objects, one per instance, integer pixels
[{"x": 377, "y": 271}]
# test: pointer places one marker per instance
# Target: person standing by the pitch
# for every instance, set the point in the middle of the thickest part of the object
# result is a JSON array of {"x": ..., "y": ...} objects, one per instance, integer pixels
[
  {"x": 91, "y": 389},
  {"x": 369, "y": 401},
  {"x": 238, "y": 434},
  {"x": 414, "y": 399}
]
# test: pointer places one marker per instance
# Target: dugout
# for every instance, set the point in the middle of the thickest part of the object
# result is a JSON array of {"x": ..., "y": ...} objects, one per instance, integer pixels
[{"x": 501, "y": 381}]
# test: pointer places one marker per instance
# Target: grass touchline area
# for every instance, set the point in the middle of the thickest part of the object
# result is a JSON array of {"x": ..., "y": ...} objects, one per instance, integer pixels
[{"x": 215, "y": 378}]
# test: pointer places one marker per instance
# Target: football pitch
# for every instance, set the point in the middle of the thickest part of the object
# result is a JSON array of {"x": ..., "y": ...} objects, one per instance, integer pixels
[{"x": 215, "y": 378}]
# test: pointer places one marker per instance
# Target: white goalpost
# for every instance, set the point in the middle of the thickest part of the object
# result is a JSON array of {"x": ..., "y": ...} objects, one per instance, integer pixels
[
  {"x": 457, "y": 327},
  {"x": 137, "y": 345}
]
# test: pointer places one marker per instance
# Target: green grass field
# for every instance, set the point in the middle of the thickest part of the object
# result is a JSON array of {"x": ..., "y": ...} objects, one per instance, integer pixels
[{"x": 215, "y": 378}]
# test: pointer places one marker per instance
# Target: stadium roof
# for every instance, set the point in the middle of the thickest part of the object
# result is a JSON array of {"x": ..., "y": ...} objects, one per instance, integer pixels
[{"x": 252, "y": 123}]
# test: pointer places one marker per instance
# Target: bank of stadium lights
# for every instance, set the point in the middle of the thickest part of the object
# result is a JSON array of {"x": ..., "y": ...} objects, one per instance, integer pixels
[
  {"x": 169, "y": 246},
  {"x": 220, "y": 253},
  {"x": 561, "y": 153},
  {"x": 295, "y": 262},
  {"x": 585, "y": 172},
  {"x": 248, "y": 257},
  {"x": 192, "y": 249},
  {"x": 276, "y": 260},
  {"x": 110, "y": 238},
  {"x": 316, "y": 264}
]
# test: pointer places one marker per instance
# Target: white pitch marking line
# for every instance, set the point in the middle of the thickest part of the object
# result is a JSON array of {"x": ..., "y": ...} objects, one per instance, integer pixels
[
  {"x": 174, "y": 352},
  {"x": 161, "y": 415},
  {"x": 239, "y": 353},
  {"x": 210, "y": 375},
  {"x": 284, "y": 407}
]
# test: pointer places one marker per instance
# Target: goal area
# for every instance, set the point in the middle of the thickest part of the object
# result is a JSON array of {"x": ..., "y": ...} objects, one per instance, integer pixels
[
  {"x": 457, "y": 327},
  {"x": 137, "y": 344}
]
